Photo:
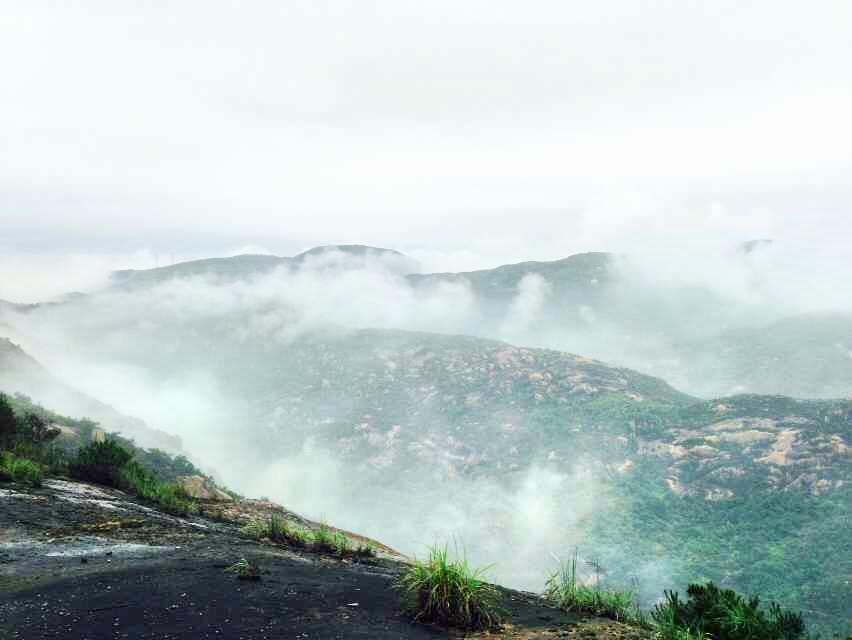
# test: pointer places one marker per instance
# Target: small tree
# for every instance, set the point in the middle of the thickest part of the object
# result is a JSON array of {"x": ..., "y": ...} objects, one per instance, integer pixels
[{"x": 8, "y": 423}]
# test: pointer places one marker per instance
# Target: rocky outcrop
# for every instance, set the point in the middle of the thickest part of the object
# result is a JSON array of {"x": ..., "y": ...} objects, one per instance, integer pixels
[{"x": 202, "y": 488}]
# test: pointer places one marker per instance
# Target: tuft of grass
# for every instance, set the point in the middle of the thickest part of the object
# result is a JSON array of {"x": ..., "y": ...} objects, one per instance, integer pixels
[
  {"x": 245, "y": 570},
  {"x": 565, "y": 591},
  {"x": 276, "y": 529},
  {"x": 450, "y": 593},
  {"x": 324, "y": 539},
  {"x": 19, "y": 469},
  {"x": 340, "y": 543},
  {"x": 255, "y": 529}
]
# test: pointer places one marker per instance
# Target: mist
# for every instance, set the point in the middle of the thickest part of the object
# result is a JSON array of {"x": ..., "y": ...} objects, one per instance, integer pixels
[{"x": 176, "y": 354}]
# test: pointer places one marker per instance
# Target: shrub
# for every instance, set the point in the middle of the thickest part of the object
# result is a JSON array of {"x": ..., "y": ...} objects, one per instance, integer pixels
[
  {"x": 20, "y": 470},
  {"x": 28, "y": 472},
  {"x": 450, "y": 593},
  {"x": 568, "y": 594},
  {"x": 100, "y": 462},
  {"x": 723, "y": 614}
]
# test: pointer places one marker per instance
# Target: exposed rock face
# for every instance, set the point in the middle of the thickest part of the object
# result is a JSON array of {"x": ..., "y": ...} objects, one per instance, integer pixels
[
  {"x": 806, "y": 452},
  {"x": 202, "y": 488}
]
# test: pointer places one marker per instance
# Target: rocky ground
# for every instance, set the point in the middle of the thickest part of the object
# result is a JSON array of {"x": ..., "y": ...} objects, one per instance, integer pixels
[{"x": 79, "y": 561}]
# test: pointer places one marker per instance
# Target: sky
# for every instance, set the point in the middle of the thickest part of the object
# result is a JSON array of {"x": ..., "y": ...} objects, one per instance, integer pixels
[{"x": 464, "y": 134}]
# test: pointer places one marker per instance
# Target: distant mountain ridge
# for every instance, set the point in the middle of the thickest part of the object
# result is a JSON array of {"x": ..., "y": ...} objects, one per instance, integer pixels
[{"x": 244, "y": 266}]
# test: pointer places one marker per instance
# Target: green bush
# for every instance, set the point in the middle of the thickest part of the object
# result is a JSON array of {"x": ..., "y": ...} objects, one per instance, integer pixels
[
  {"x": 565, "y": 592},
  {"x": 100, "y": 462},
  {"x": 13, "y": 468},
  {"x": 450, "y": 593},
  {"x": 111, "y": 464},
  {"x": 723, "y": 614}
]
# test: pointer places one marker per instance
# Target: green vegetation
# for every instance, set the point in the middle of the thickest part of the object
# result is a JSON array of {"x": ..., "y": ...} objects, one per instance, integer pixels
[
  {"x": 100, "y": 462},
  {"x": 324, "y": 539},
  {"x": 450, "y": 593},
  {"x": 278, "y": 529},
  {"x": 31, "y": 448},
  {"x": 109, "y": 463},
  {"x": 27, "y": 434},
  {"x": 15, "y": 469},
  {"x": 245, "y": 570},
  {"x": 169, "y": 496},
  {"x": 784, "y": 546},
  {"x": 723, "y": 614},
  {"x": 710, "y": 613},
  {"x": 567, "y": 593},
  {"x": 47, "y": 444},
  {"x": 26, "y": 445}
]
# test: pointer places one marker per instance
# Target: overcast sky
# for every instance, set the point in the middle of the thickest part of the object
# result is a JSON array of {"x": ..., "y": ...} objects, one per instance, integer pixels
[{"x": 464, "y": 133}]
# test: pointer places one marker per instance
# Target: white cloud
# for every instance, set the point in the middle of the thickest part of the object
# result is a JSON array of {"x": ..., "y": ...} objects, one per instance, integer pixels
[{"x": 290, "y": 124}]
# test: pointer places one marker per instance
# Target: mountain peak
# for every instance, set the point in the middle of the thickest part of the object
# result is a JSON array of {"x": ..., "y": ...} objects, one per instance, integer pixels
[{"x": 350, "y": 249}]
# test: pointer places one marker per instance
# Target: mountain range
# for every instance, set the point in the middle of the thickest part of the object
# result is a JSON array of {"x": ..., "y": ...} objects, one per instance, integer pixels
[{"x": 522, "y": 450}]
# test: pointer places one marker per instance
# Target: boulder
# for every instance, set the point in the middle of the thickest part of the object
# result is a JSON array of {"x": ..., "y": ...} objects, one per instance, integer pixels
[{"x": 202, "y": 488}]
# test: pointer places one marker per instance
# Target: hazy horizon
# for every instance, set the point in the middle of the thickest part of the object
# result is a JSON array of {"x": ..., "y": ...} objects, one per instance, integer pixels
[{"x": 464, "y": 136}]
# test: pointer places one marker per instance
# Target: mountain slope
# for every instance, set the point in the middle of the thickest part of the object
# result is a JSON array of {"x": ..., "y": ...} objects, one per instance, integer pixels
[{"x": 20, "y": 373}]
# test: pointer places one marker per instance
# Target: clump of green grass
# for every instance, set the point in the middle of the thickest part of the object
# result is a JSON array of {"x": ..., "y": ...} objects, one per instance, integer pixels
[
  {"x": 255, "y": 529},
  {"x": 277, "y": 529},
  {"x": 245, "y": 570},
  {"x": 565, "y": 591},
  {"x": 16, "y": 469},
  {"x": 450, "y": 593},
  {"x": 324, "y": 539}
]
